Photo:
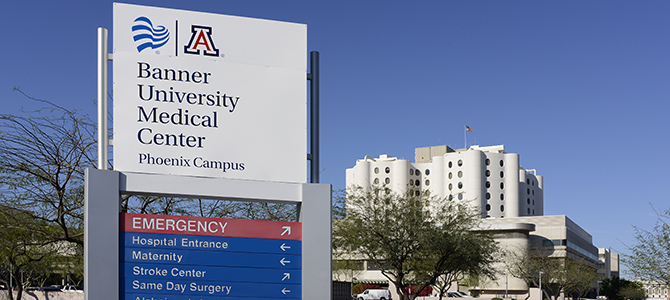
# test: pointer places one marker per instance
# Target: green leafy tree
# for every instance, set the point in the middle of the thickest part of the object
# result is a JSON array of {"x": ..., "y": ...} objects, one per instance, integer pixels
[
  {"x": 459, "y": 249},
  {"x": 582, "y": 278},
  {"x": 526, "y": 264},
  {"x": 344, "y": 269},
  {"x": 29, "y": 255},
  {"x": 414, "y": 238},
  {"x": 649, "y": 258},
  {"x": 558, "y": 274},
  {"x": 633, "y": 291},
  {"x": 616, "y": 288},
  {"x": 339, "y": 206}
]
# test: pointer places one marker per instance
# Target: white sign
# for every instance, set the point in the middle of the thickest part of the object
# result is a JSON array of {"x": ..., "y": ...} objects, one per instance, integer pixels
[{"x": 209, "y": 95}]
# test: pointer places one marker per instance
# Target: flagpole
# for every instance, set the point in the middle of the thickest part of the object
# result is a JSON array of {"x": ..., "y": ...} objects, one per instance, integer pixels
[{"x": 465, "y": 135}]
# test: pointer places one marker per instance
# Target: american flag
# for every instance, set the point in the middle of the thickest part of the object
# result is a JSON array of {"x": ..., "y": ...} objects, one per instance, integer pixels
[{"x": 467, "y": 128}]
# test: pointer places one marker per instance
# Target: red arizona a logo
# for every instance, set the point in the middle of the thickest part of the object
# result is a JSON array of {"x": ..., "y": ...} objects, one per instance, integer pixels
[{"x": 201, "y": 38}]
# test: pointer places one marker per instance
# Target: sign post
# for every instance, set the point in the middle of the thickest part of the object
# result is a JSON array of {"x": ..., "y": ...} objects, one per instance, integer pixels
[
  {"x": 138, "y": 256},
  {"x": 206, "y": 106}
]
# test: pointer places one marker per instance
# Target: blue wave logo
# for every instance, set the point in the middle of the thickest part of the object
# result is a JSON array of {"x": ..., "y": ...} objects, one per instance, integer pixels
[{"x": 149, "y": 36}]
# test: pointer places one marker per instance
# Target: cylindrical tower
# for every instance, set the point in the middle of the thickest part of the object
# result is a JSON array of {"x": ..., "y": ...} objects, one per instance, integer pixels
[
  {"x": 361, "y": 174},
  {"x": 510, "y": 178},
  {"x": 539, "y": 197},
  {"x": 436, "y": 176},
  {"x": 399, "y": 175},
  {"x": 473, "y": 173}
]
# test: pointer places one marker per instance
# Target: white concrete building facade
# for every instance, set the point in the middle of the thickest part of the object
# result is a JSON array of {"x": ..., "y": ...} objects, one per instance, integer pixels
[
  {"x": 655, "y": 290},
  {"x": 509, "y": 197},
  {"x": 610, "y": 263},
  {"x": 560, "y": 236},
  {"x": 490, "y": 179}
]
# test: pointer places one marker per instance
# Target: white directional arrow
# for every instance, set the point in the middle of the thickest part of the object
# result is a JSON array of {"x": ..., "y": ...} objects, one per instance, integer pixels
[
  {"x": 286, "y": 276},
  {"x": 284, "y": 290},
  {"x": 287, "y": 229},
  {"x": 283, "y": 261},
  {"x": 283, "y": 247}
]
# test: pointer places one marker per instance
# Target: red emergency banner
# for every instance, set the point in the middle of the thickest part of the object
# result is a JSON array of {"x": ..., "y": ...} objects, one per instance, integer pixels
[{"x": 187, "y": 225}]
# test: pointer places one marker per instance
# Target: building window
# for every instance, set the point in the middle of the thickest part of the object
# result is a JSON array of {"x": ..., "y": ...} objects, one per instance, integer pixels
[
  {"x": 427, "y": 182},
  {"x": 460, "y": 185},
  {"x": 502, "y": 163},
  {"x": 551, "y": 243},
  {"x": 502, "y": 174},
  {"x": 487, "y": 161},
  {"x": 502, "y": 185},
  {"x": 502, "y": 208},
  {"x": 502, "y": 196},
  {"x": 376, "y": 181},
  {"x": 372, "y": 266},
  {"x": 488, "y": 196},
  {"x": 488, "y": 207},
  {"x": 450, "y": 164},
  {"x": 450, "y": 175},
  {"x": 417, "y": 182},
  {"x": 528, "y": 191},
  {"x": 427, "y": 172},
  {"x": 411, "y": 172},
  {"x": 388, "y": 170},
  {"x": 528, "y": 200},
  {"x": 417, "y": 193},
  {"x": 488, "y": 184},
  {"x": 533, "y": 192},
  {"x": 527, "y": 181},
  {"x": 460, "y": 162},
  {"x": 411, "y": 182},
  {"x": 528, "y": 209},
  {"x": 376, "y": 170},
  {"x": 451, "y": 186},
  {"x": 488, "y": 173},
  {"x": 460, "y": 174},
  {"x": 387, "y": 180},
  {"x": 460, "y": 196}
]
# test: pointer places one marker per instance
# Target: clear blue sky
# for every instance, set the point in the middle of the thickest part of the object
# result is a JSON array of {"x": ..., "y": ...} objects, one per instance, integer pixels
[{"x": 580, "y": 89}]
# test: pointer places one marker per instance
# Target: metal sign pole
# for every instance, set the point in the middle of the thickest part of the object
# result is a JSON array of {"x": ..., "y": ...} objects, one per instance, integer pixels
[
  {"x": 313, "y": 77},
  {"x": 102, "y": 98}
]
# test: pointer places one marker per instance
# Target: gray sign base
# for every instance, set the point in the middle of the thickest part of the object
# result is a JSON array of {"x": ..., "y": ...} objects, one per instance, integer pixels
[{"x": 101, "y": 220}]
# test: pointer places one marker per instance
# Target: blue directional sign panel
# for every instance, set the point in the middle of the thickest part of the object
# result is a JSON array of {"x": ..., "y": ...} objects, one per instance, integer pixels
[{"x": 191, "y": 258}]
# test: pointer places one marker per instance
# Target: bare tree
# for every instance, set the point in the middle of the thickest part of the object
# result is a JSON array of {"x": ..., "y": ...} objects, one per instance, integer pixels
[
  {"x": 42, "y": 161},
  {"x": 43, "y": 155}
]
